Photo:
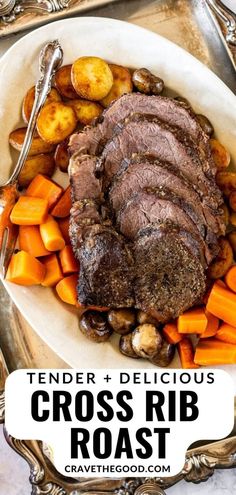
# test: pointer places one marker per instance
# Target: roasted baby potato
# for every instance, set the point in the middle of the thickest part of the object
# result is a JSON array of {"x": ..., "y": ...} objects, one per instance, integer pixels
[
  {"x": 61, "y": 156},
  {"x": 34, "y": 165},
  {"x": 122, "y": 83},
  {"x": 223, "y": 261},
  {"x": 122, "y": 320},
  {"x": 220, "y": 154},
  {"x": 63, "y": 82},
  {"x": 94, "y": 326},
  {"x": 147, "y": 83},
  {"x": 226, "y": 214},
  {"x": 205, "y": 124},
  {"x": 125, "y": 346},
  {"x": 86, "y": 111},
  {"x": 146, "y": 340},
  {"x": 232, "y": 200},
  {"x": 92, "y": 78},
  {"x": 56, "y": 122},
  {"x": 226, "y": 182},
  {"x": 232, "y": 240},
  {"x": 232, "y": 218},
  {"x": 16, "y": 139},
  {"x": 29, "y": 101}
]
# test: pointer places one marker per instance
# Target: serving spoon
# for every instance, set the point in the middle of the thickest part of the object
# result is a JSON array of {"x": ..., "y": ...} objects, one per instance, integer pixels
[{"x": 50, "y": 59}]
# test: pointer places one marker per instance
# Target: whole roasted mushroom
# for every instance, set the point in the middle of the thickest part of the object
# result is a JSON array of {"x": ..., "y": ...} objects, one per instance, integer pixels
[
  {"x": 146, "y": 340},
  {"x": 143, "y": 317},
  {"x": 147, "y": 83},
  {"x": 205, "y": 124},
  {"x": 164, "y": 355},
  {"x": 122, "y": 320},
  {"x": 126, "y": 347},
  {"x": 94, "y": 326}
]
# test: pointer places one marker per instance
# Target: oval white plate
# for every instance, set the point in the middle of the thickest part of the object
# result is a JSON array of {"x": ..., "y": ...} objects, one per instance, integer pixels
[{"x": 120, "y": 43}]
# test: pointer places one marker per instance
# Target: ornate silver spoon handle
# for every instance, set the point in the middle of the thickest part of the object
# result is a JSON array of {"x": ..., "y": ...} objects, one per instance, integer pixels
[
  {"x": 50, "y": 60},
  {"x": 227, "y": 17}
]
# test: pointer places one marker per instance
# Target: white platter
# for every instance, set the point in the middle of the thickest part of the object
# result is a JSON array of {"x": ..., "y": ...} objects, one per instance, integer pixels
[{"x": 125, "y": 44}]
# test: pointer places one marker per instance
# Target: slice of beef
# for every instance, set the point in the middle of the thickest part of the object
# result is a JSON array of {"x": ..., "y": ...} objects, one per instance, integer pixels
[
  {"x": 106, "y": 269},
  {"x": 169, "y": 278},
  {"x": 170, "y": 111},
  {"x": 151, "y": 138},
  {"x": 141, "y": 172},
  {"x": 83, "y": 214},
  {"x": 146, "y": 208},
  {"x": 84, "y": 183}
]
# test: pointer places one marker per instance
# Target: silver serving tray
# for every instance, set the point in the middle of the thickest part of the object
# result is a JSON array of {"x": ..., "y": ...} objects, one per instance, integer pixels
[{"x": 191, "y": 24}]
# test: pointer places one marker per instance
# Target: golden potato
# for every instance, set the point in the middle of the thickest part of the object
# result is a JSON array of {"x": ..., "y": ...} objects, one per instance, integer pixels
[
  {"x": 61, "y": 156},
  {"x": 220, "y": 154},
  {"x": 226, "y": 214},
  {"x": 226, "y": 182},
  {"x": 16, "y": 139},
  {"x": 232, "y": 218},
  {"x": 29, "y": 101},
  {"x": 63, "y": 82},
  {"x": 232, "y": 200},
  {"x": 122, "y": 83},
  {"x": 56, "y": 122},
  {"x": 223, "y": 261},
  {"x": 92, "y": 78},
  {"x": 232, "y": 240},
  {"x": 34, "y": 165},
  {"x": 86, "y": 111}
]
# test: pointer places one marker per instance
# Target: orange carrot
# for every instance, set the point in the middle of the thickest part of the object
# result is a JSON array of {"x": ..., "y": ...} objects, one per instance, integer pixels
[
  {"x": 98, "y": 308},
  {"x": 66, "y": 289},
  {"x": 29, "y": 211},
  {"x": 9, "y": 196},
  {"x": 192, "y": 321},
  {"x": 171, "y": 333},
  {"x": 211, "y": 352},
  {"x": 227, "y": 333},
  {"x": 64, "y": 224},
  {"x": 230, "y": 278},
  {"x": 68, "y": 261},
  {"x": 186, "y": 354},
  {"x": 221, "y": 283},
  {"x": 53, "y": 273},
  {"x": 212, "y": 326},
  {"x": 51, "y": 235},
  {"x": 63, "y": 206},
  {"x": 30, "y": 241},
  {"x": 222, "y": 303},
  {"x": 43, "y": 187},
  {"x": 24, "y": 269}
]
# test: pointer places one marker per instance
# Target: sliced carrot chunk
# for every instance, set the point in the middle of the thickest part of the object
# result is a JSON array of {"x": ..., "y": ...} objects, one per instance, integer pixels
[
  {"x": 43, "y": 187},
  {"x": 64, "y": 224},
  {"x": 222, "y": 303},
  {"x": 192, "y": 321},
  {"x": 51, "y": 235},
  {"x": 212, "y": 326},
  {"x": 53, "y": 273},
  {"x": 24, "y": 269},
  {"x": 211, "y": 352},
  {"x": 68, "y": 261},
  {"x": 63, "y": 206},
  {"x": 29, "y": 211},
  {"x": 66, "y": 289},
  {"x": 227, "y": 333},
  {"x": 171, "y": 333},
  {"x": 30, "y": 241},
  {"x": 186, "y": 354},
  {"x": 230, "y": 278}
]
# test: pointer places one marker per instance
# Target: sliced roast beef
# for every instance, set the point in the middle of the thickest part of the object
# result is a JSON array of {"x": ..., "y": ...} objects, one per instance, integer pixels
[
  {"x": 83, "y": 213},
  {"x": 141, "y": 172},
  {"x": 170, "y": 111},
  {"x": 169, "y": 278},
  {"x": 106, "y": 269},
  {"x": 151, "y": 138},
  {"x": 83, "y": 180},
  {"x": 146, "y": 208}
]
